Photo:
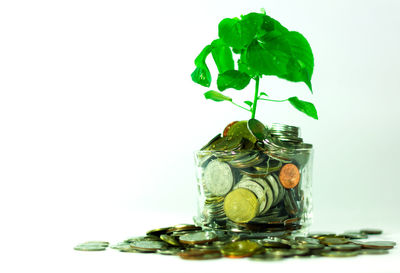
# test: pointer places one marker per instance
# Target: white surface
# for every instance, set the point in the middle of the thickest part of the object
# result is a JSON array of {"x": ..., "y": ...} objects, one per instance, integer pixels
[{"x": 99, "y": 119}]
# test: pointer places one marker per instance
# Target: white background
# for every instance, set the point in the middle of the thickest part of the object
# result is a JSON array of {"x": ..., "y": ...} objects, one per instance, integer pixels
[{"x": 99, "y": 120}]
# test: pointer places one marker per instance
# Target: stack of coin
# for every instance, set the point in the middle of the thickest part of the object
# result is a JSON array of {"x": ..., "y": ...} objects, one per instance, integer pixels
[
  {"x": 214, "y": 209},
  {"x": 286, "y": 134},
  {"x": 257, "y": 172}
]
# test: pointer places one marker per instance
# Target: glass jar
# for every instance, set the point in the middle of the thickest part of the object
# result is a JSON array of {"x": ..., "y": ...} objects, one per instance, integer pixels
[{"x": 263, "y": 189}]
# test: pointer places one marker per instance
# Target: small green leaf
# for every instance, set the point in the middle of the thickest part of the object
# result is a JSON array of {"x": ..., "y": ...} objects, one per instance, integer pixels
[
  {"x": 202, "y": 76},
  {"x": 201, "y": 58},
  {"x": 304, "y": 106},
  {"x": 249, "y": 103},
  {"x": 216, "y": 96},
  {"x": 232, "y": 79},
  {"x": 222, "y": 56},
  {"x": 263, "y": 94}
]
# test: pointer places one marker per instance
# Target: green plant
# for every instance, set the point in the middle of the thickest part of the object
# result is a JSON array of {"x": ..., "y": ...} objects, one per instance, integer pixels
[{"x": 264, "y": 47}]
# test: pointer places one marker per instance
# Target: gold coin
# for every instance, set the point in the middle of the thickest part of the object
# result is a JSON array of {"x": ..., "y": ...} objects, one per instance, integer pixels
[
  {"x": 241, "y": 249},
  {"x": 239, "y": 129},
  {"x": 169, "y": 240},
  {"x": 225, "y": 133},
  {"x": 241, "y": 205},
  {"x": 289, "y": 176}
]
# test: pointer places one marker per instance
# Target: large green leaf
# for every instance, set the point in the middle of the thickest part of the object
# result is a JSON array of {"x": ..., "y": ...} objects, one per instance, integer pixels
[
  {"x": 232, "y": 79},
  {"x": 265, "y": 62},
  {"x": 222, "y": 56},
  {"x": 216, "y": 96},
  {"x": 238, "y": 33},
  {"x": 287, "y": 56},
  {"x": 304, "y": 106}
]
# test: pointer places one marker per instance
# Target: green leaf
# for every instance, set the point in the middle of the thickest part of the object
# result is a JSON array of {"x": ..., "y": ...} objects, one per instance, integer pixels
[
  {"x": 270, "y": 29},
  {"x": 249, "y": 103},
  {"x": 232, "y": 79},
  {"x": 244, "y": 67},
  {"x": 216, "y": 96},
  {"x": 304, "y": 106},
  {"x": 263, "y": 94},
  {"x": 222, "y": 56},
  {"x": 239, "y": 33},
  {"x": 201, "y": 58},
  {"x": 287, "y": 56},
  {"x": 201, "y": 74},
  {"x": 266, "y": 62}
]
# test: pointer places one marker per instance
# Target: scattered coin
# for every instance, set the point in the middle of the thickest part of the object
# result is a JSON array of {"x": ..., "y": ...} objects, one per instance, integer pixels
[
  {"x": 169, "y": 240},
  {"x": 169, "y": 251},
  {"x": 345, "y": 247},
  {"x": 378, "y": 244},
  {"x": 200, "y": 254},
  {"x": 90, "y": 247},
  {"x": 374, "y": 251},
  {"x": 354, "y": 235},
  {"x": 371, "y": 231},
  {"x": 334, "y": 241},
  {"x": 200, "y": 237},
  {"x": 158, "y": 231},
  {"x": 148, "y": 246},
  {"x": 102, "y": 243},
  {"x": 241, "y": 249},
  {"x": 336, "y": 254}
]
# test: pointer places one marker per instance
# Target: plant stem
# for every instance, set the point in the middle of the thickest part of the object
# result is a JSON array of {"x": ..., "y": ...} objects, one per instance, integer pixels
[
  {"x": 273, "y": 100},
  {"x": 253, "y": 110},
  {"x": 240, "y": 106}
]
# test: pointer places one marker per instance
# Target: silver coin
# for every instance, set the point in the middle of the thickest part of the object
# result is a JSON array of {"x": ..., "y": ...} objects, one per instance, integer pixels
[
  {"x": 281, "y": 188},
  {"x": 150, "y": 246},
  {"x": 290, "y": 203},
  {"x": 275, "y": 188},
  {"x": 218, "y": 178},
  {"x": 90, "y": 247},
  {"x": 198, "y": 237},
  {"x": 268, "y": 193}
]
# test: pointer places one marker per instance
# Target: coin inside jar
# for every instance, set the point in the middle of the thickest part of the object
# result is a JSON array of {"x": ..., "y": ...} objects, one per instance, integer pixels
[
  {"x": 218, "y": 178},
  {"x": 241, "y": 205},
  {"x": 289, "y": 176}
]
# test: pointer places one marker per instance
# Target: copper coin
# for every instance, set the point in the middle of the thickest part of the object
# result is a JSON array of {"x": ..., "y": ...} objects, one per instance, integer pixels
[
  {"x": 289, "y": 176},
  {"x": 378, "y": 244},
  {"x": 225, "y": 133},
  {"x": 371, "y": 231}
]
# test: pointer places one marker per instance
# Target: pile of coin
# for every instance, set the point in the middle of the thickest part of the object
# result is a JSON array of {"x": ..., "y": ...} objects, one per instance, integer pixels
[
  {"x": 191, "y": 242},
  {"x": 252, "y": 175}
]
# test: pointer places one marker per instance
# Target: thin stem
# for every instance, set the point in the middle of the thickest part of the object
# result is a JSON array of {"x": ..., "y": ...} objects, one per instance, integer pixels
[
  {"x": 253, "y": 109},
  {"x": 240, "y": 106},
  {"x": 273, "y": 100}
]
